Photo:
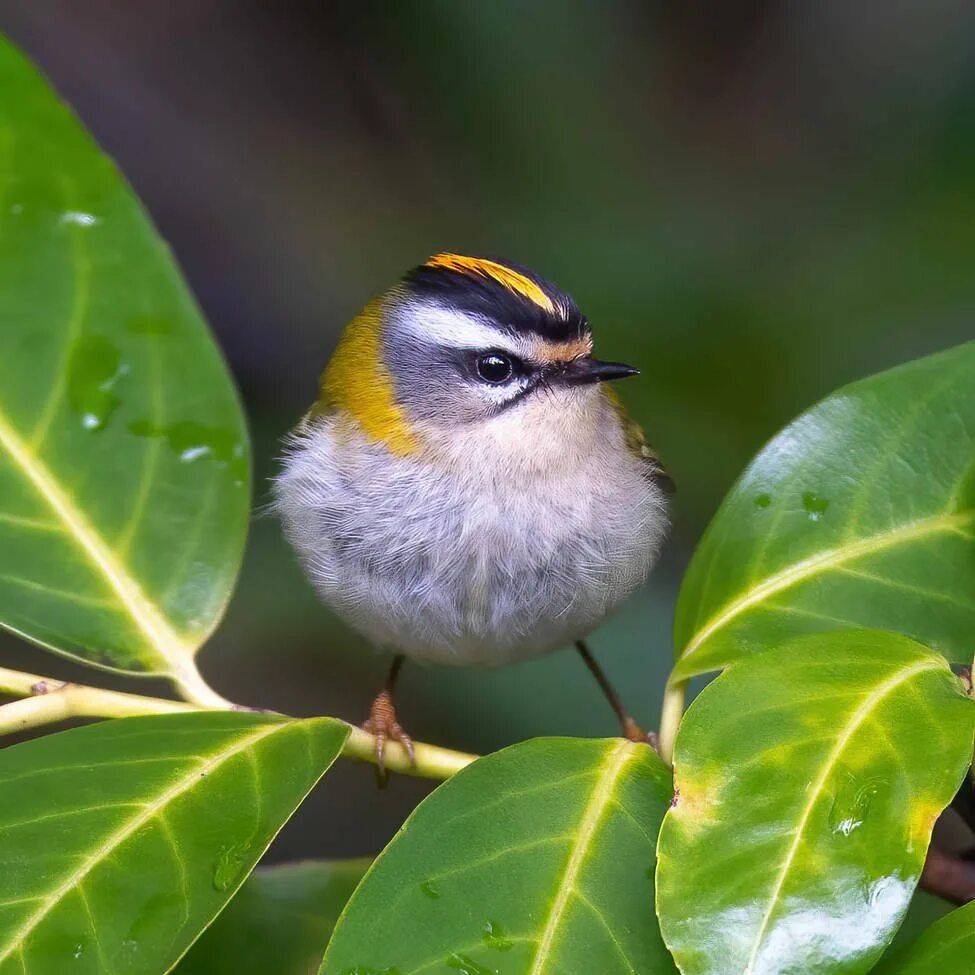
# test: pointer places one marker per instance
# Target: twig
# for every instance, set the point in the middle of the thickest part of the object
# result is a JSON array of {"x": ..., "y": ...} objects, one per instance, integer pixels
[
  {"x": 432, "y": 762},
  {"x": 45, "y": 701},
  {"x": 949, "y": 877},
  {"x": 78, "y": 701}
]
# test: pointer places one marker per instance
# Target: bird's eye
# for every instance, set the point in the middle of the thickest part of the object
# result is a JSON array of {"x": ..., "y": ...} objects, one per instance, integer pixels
[{"x": 495, "y": 368}]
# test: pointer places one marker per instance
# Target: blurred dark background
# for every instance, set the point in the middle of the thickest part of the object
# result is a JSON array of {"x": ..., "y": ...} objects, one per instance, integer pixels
[{"x": 754, "y": 201}]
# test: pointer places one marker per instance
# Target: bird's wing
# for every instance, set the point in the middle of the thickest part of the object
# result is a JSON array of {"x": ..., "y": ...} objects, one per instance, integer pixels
[{"x": 637, "y": 441}]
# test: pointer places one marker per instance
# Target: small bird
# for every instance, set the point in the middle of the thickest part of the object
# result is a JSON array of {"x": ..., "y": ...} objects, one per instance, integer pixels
[{"x": 466, "y": 490}]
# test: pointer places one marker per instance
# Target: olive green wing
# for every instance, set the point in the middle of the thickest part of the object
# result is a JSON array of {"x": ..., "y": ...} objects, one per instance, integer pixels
[{"x": 637, "y": 441}]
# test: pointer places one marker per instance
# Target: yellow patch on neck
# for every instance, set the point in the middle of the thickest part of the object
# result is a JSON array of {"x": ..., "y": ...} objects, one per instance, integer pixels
[
  {"x": 358, "y": 382},
  {"x": 505, "y": 276}
]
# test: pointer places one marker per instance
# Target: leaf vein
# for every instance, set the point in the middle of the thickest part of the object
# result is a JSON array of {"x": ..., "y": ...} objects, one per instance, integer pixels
[
  {"x": 866, "y": 708},
  {"x": 822, "y": 562},
  {"x": 592, "y": 815},
  {"x": 108, "y": 847},
  {"x": 164, "y": 640}
]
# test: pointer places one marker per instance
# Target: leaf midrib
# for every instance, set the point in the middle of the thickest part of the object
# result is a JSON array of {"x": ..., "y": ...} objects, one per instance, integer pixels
[
  {"x": 131, "y": 826},
  {"x": 866, "y": 708},
  {"x": 167, "y": 643},
  {"x": 599, "y": 801},
  {"x": 817, "y": 564}
]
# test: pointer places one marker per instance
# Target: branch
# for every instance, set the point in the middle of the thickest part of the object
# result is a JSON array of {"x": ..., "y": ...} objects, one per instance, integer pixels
[
  {"x": 45, "y": 701},
  {"x": 77, "y": 701},
  {"x": 949, "y": 877},
  {"x": 432, "y": 762}
]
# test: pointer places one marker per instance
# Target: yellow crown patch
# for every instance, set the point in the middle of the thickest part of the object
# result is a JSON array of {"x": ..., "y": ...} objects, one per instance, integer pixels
[{"x": 505, "y": 276}]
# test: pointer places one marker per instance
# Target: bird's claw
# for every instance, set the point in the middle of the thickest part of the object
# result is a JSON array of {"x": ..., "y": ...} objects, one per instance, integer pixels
[{"x": 383, "y": 726}]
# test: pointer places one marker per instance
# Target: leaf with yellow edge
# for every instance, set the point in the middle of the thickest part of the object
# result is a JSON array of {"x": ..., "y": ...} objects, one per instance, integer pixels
[
  {"x": 121, "y": 841},
  {"x": 808, "y": 781},
  {"x": 536, "y": 860},
  {"x": 861, "y": 513}
]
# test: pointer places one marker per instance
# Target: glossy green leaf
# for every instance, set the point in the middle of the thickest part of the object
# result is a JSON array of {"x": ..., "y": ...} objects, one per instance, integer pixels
[
  {"x": 120, "y": 841},
  {"x": 533, "y": 861},
  {"x": 124, "y": 471},
  {"x": 279, "y": 922},
  {"x": 945, "y": 948},
  {"x": 809, "y": 778},
  {"x": 860, "y": 513}
]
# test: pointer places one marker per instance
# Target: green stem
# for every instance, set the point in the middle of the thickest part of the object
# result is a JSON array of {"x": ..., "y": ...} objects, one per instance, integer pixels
[
  {"x": 432, "y": 762},
  {"x": 45, "y": 700},
  {"x": 670, "y": 716},
  {"x": 76, "y": 701},
  {"x": 191, "y": 686}
]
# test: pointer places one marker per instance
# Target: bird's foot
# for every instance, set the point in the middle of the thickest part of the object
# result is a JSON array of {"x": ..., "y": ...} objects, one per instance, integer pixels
[
  {"x": 383, "y": 726},
  {"x": 633, "y": 732}
]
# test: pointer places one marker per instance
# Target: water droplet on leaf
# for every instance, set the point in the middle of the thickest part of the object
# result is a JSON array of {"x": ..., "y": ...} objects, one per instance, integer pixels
[
  {"x": 229, "y": 865},
  {"x": 467, "y": 966},
  {"x": 851, "y": 805},
  {"x": 814, "y": 505},
  {"x": 429, "y": 890},
  {"x": 494, "y": 937},
  {"x": 192, "y": 441},
  {"x": 79, "y": 218},
  {"x": 94, "y": 368}
]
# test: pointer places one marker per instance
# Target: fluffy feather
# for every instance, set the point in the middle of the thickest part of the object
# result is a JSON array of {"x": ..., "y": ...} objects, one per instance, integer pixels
[{"x": 497, "y": 541}]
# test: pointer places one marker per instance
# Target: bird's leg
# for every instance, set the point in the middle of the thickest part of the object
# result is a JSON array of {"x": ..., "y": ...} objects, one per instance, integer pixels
[
  {"x": 382, "y": 723},
  {"x": 629, "y": 727}
]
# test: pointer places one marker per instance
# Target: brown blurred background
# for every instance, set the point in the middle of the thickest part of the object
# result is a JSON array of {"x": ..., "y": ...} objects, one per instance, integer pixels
[{"x": 753, "y": 201}]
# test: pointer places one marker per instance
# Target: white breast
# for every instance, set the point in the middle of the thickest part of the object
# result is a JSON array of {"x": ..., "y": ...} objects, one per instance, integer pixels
[{"x": 498, "y": 545}]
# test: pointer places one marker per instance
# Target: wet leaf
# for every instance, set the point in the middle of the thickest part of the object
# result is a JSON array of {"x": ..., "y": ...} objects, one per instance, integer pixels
[
  {"x": 537, "y": 859},
  {"x": 279, "y": 922},
  {"x": 945, "y": 948},
  {"x": 120, "y": 841},
  {"x": 860, "y": 513},
  {"x": 809, "y": 778},
  {"x": 124, "y": 470}
]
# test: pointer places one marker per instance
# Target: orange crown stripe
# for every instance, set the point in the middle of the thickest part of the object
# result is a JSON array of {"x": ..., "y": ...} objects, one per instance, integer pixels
[{"x": 505, "y": 276}]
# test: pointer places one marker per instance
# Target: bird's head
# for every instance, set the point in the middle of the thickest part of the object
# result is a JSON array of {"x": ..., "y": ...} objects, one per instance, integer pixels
[{"x": 464, "y": 344}]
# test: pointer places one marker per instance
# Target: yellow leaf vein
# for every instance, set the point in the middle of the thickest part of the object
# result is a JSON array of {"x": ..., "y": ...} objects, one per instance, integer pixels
[
  {"x": 865, "y": 709},
  {"x": 824, "y": 561},
  {"x": 192, "y": 777},
  {"x": 601, "y": 799},
  {"x": 170, "y": 647}
]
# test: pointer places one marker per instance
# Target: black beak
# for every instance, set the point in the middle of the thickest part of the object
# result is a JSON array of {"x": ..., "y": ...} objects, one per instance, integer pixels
[{"x": 580, "y": 372}]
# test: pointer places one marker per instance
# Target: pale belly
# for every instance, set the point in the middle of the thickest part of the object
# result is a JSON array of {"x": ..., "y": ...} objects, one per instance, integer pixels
[{"x": 454, "y": 565}]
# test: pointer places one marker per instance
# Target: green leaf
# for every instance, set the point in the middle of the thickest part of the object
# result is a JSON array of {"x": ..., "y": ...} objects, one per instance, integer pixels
[
  {"x": 809, "y": 778},
  {"x": 947, "y": 947},
  {"x": 120, "y": 841},
  {"x": 537, "y": 859},
  {"x": 861, "y": 513},
  {"x": 124, "y": 463},
  {"x": 279, "y": 923}
]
